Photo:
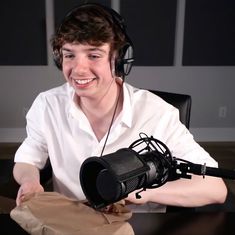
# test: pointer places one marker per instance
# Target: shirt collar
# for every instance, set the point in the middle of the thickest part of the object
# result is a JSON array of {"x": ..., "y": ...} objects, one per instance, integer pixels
[
  {"x": 126, "y": 114},
  {"x": 74, "y": 109}
]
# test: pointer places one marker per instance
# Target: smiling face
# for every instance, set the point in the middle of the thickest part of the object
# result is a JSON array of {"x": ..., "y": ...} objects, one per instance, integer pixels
[{"x": 87, "y": 68}]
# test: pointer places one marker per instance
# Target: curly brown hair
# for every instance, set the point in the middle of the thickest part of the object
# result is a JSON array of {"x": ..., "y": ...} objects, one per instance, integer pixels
[{"x": 88, "y": 24}]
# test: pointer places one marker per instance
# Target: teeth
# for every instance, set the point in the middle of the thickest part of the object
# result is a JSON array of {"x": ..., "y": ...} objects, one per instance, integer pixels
[{"x": 83, "y": 81}]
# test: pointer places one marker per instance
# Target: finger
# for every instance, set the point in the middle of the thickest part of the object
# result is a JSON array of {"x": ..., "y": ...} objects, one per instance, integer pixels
[
  {"x": 19, "y": 197},
  {"x": 18, "y": 201}
]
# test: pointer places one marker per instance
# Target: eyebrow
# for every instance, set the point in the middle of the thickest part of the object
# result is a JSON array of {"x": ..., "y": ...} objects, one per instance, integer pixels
[
  {"x": 65, "y": 49},
  {"x": 88, "y": 49}
]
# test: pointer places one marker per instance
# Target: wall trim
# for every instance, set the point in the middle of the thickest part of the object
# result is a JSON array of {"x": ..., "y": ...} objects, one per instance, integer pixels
[
  {"x": 16, "y": 135},
  {"x": 213, "y": 134},
  {"x": 12, "y": 135}
]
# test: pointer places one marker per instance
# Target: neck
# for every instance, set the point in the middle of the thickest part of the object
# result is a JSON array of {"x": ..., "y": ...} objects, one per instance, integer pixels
[
  {"x": 100, "y": 114},
  {"x": 104, "y": 107}
]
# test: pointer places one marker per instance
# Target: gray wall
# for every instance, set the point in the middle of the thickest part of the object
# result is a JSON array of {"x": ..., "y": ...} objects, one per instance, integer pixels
[{"x": 211, "y": 88}]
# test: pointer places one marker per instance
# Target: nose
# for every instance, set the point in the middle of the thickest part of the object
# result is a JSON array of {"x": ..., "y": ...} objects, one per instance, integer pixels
[{"x": 80, "y": 66}]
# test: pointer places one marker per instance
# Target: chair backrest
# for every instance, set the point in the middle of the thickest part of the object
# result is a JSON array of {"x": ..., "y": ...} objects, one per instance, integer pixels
[{"x": 180, "y": 101}]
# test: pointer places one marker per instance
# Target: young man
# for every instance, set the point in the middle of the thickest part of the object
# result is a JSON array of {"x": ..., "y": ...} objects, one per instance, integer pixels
[{"x": 72, "y": 122}]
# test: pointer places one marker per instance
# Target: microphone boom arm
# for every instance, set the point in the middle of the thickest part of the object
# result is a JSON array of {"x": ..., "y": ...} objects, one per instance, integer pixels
[{"x": 188, "y": 167}]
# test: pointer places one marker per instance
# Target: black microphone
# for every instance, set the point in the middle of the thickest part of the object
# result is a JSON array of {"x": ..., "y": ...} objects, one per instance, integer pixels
[
  {"x": 147, "y": 163},
  {"x": 110, "y": 178}
]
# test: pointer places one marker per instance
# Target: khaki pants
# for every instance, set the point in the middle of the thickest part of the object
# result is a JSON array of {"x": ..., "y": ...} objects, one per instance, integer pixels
[{"x": 50, "y": 213}]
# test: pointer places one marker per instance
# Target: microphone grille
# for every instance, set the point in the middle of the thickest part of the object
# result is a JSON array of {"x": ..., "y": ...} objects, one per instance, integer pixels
[{"x": 134, "y": 183}]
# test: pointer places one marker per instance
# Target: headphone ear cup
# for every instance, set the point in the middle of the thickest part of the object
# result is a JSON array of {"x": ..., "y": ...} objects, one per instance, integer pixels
[
  {"x": 57, "y": 59},
  {"x": 125, "y": 60}
]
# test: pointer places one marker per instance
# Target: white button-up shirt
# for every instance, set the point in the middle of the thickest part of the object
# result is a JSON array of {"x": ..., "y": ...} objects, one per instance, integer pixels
[{"x": 57, "y": 127}]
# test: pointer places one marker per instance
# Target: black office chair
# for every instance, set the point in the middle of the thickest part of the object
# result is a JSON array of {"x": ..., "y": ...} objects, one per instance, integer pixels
[{"x": 180, "y": 101}]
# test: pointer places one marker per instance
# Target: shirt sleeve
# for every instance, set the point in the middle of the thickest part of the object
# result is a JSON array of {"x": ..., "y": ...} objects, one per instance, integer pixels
[
  {"x": 33, "y": 150},
  {"x": 182, "y": 144}
]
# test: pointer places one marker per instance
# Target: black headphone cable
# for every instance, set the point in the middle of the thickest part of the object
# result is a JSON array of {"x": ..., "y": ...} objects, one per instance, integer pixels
[{"x": 114, "y": 113}]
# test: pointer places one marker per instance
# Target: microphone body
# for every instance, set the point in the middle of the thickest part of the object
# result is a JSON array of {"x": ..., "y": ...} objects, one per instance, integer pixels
[{"x": 112, "y": 177}]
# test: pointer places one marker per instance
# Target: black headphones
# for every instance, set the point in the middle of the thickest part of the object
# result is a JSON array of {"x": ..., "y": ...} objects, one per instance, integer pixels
[{"x": 123, "y": 63}]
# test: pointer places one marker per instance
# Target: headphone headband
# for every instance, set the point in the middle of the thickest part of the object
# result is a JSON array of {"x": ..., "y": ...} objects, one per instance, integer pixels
[{"x": 125, "y": 59}]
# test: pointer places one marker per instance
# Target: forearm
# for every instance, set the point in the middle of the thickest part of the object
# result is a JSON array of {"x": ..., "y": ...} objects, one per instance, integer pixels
[
  {"x": 24, "y": 172},
  {"x": 194, "y": 192},
  {"x": 198, "y": 191},
  {"x": 27, "y": 176}
]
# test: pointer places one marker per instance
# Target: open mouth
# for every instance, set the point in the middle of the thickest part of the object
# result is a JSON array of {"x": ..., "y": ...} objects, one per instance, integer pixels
[{"x": 83, "y": 81}]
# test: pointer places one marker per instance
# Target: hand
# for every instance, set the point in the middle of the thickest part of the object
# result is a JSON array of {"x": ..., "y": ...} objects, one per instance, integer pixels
[
  {"x": 131, "y": 199},
  {"x": 28, "y": 188}
]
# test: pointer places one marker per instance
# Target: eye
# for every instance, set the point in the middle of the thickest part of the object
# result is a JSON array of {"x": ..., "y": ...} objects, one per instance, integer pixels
[
  {"x": 93, "y": 56},
  {"x": 68, "y": 56}
]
